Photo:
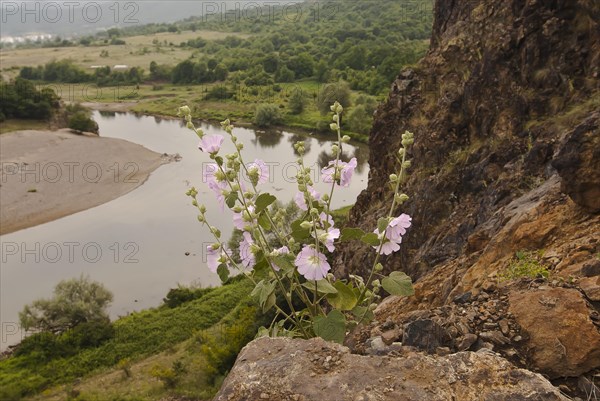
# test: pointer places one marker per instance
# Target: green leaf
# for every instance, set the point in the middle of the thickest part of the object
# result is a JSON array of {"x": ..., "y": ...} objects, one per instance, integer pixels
[
  {"x": 261, "y": 268},
  {"x": 269, "y": 303},
  {"x": 265, "y": 293},
  {"x": 231, "y": 199},
  {"x": 223, "y": 272},
  {"x": 284, "y": 264},
  {"x": 323, "y": 286},
  {"x": 263, "y": 221},
  {"x": 370, "y": 239},
  {"x": 349, "y": 234},
  {"x": 257, "y": 288},
  {"x": 382, "y": 224},
  {"x": 398, "y": 283},
  {"x": 332, "y": 327},
  {"x": 345, "y": 299},
  {"x": 299, "y": 233},
  {"x": 263, "y": 201},
  {"x": 361, "y": 311}
]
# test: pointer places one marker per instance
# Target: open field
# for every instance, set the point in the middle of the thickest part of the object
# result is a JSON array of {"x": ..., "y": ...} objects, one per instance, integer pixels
[{"x": 138, "y": 51}]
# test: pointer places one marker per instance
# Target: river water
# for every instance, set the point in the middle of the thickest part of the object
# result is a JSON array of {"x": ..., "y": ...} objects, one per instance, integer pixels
[{"x": 136, "y": 245}]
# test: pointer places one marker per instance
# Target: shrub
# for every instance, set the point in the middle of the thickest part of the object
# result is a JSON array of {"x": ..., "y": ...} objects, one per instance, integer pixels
[
  {"x": 267, "y": 115},
  {"x": 180, "y": 295},
  {"x": 81, "y": 122},
  {"x": 75, "y": 301}
]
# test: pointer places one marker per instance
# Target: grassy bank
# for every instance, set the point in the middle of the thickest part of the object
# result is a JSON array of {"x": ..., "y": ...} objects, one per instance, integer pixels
[
  {"x": 154, "y": 348},
  {"x": 164, "y": 100}
]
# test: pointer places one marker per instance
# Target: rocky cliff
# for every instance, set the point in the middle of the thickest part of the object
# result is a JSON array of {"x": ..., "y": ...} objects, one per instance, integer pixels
[{"x": 505, "y": 109}]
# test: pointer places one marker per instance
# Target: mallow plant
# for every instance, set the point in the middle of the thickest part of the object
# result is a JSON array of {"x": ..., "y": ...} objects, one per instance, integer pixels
[{"x": 291, "y": 263}]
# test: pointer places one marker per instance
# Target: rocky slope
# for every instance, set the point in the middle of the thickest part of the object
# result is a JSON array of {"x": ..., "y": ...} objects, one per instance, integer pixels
[
  {"x": 506, "y": 114},
  {"x": 505, "y": 109}
]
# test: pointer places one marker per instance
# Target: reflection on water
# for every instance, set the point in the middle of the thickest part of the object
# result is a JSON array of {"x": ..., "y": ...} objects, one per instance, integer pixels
[{"x": 136, "y": 245}]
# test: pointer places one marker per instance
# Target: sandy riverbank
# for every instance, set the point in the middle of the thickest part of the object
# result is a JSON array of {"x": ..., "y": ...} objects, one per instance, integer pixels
[{"x": 46, "y": 175}]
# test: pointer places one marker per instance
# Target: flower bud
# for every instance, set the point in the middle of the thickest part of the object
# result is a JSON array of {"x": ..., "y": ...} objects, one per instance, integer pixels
[
  {"x": 401, "y": 152},
  {"x": 378, "y": 267},
  {"x": 184, "y": 111},
  {"x": 202, "y": 209},
  {"x": 336, "y": 118},
  {"x": 239, "y": 146},
  {"x": 345, "y": 139},
  {"x": 373, "y": 306},
  {"x": 194, "y": 202},
  {"x": 190, "y": 125},
  {"x": 325, "y": 197},
  {"x": 376, "y": 283},
  {"x": 335, "y": 149},
  {"x": 406, "y": 164},
  {"x": 334, "y": 126},
  {"x": 401, "y": 198},
  {"x": 201, "y": 218},
  {"x": 393, "y": 178},
  {"x": 307, "y": 225},
  {"x": 314, "y": 211}
]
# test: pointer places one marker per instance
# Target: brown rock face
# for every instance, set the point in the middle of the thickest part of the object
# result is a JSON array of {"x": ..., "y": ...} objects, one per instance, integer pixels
[
  {"x": 504, "y": 108},
  {"x": 578, "y": 164},
  {"x": 284, "y": 369},
  {"x": 506, "y": 97},
  {"x": 562, "y": 339}
]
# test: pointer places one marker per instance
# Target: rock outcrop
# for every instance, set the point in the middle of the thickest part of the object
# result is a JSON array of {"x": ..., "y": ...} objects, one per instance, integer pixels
[
  {"x": 284, "y": 369},
  {"x": 563, "y": 340}
]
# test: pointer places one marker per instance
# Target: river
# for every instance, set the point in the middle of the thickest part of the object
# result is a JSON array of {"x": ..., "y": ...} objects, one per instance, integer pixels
[{"x": 149, "y": 240}]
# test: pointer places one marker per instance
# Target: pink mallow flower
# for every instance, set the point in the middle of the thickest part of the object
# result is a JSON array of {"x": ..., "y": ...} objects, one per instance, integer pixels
[
  {"x": 393, "y": 234},
  {"x": 312, "y": 264},
  {"x": 246, "y": 253},
  {"x": 346, "y": 171},
  {"x": 327, "y": 234},
  {"x": 210, "y": 143},
  {"x": 261, "y": 168},
  {"x": 209, "y": 176},
  {"x": 215, "y": 257},
  {"x": 239, "y": 222},
  {"x": 301, "y": 201}
]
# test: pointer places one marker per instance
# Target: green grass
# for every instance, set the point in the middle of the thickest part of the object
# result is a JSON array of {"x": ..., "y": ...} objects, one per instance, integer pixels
[
  {"x": 11, "y": 125},
  {"x": 165, "y": 100},
  {"x": 137, "y": 336},
  {"x": 526, "y": 264}
]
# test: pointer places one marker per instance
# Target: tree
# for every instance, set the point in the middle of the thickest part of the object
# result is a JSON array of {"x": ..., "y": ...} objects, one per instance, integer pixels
[
  {"x": 331, "y": 93},
  {"x": 302, "y": 65},
  {"x": 359, "y": 120},
  {"x": 267, "y": 115},
  {"x": 75, "y": 301},
  {"x": 296, "y": 102}
]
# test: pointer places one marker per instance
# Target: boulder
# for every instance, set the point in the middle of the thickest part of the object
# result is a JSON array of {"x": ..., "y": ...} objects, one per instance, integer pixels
[
  {"x": 279, "y": 369},
  {"x": 563, "y": 340}
]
